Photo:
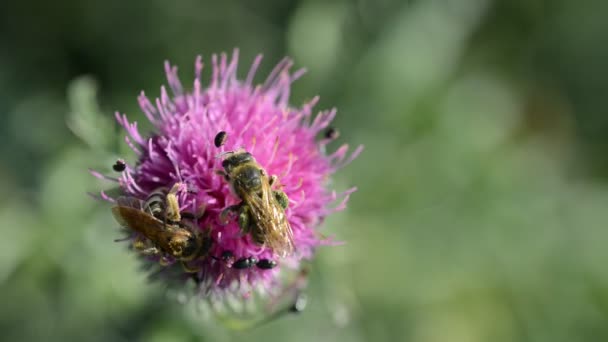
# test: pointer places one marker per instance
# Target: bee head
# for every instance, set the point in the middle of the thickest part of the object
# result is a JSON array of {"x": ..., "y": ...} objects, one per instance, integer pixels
[
  {"x": 184, "y": 245},
  {"x": 248, "y": 179},
  {"x": 236, "y": 159}
]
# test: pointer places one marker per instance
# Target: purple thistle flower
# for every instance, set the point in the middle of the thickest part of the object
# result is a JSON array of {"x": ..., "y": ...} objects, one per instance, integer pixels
[{"x": 258, "y": 119}]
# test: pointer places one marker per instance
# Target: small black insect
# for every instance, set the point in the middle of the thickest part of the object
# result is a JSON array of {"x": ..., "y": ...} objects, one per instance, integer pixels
[
  {"x": 266, "y": 264},
  {"x": 332, "y": 133},
  {"x": 119, "y": 166},
  {"x": 244, "y": 263},
  {"x": 220, "y": 139},
  {"x": 227, "y": 256}
]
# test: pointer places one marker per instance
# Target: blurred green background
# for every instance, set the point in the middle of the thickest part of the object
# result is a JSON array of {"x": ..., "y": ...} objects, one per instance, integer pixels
[{"x": 482, "y": 198}]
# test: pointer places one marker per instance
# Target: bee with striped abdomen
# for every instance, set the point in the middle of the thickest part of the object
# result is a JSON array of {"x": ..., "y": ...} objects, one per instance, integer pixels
[
  {"x": 262, "y": 209},
  {"x": 161, "y": 228}
]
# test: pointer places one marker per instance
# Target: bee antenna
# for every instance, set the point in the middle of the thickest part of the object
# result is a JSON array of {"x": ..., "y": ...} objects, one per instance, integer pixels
[
  {"x": 123, "y": 239},
  {"x": 223, "y": 154}
]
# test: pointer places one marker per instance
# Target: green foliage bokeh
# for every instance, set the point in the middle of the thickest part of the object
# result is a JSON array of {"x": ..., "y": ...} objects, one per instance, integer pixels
[{"x": 480, "y": 212}]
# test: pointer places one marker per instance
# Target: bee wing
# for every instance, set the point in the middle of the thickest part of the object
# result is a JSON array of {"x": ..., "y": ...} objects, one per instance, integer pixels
[
  {"x": 137, "y": 220},
  {"x": 116, "y": 212},
  {"x": 271, "y": 220},
  {"x": 131, "y": 202}
]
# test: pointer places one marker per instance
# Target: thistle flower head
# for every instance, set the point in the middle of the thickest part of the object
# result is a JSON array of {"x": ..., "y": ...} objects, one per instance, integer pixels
[{"x": 181, "y": 154}]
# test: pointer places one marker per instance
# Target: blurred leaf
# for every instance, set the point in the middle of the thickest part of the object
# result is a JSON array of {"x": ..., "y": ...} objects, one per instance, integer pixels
[
  {"x": 85, "y": 118},
  {"x": 17, "y": 230}
]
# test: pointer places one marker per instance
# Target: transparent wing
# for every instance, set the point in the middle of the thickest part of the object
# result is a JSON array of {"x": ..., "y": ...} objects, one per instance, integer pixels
[
  {"x": 271, "y": 220},
  {"x": 131, "y": 202}
]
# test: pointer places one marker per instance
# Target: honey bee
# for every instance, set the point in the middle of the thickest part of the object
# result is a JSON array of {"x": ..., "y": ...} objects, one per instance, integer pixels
[
  {"x": 262, "y": 210},
  {"x": 164, "y": 232}
]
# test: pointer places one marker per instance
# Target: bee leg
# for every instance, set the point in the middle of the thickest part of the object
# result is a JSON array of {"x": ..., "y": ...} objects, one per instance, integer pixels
[
  {"x": 172, "y": 213},
  {"x": 244, "y": 220},
  {"x": 281, "y": 198},
  {"x": 189, "y": 216},
  {"x": 223, "y": 174},
  {"x": 225, "y": 214},
  {"x": 145, "y": 247},
  {"x": 272, "y": 180},
  {"x": 139, "y": 244},
  {"x": 150, "y": 251}
]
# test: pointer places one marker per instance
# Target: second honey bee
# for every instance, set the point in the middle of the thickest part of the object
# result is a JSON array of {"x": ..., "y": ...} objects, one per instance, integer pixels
[
  {"x": 262, "y": 210},
  {"x": 161, "y": 229}
]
